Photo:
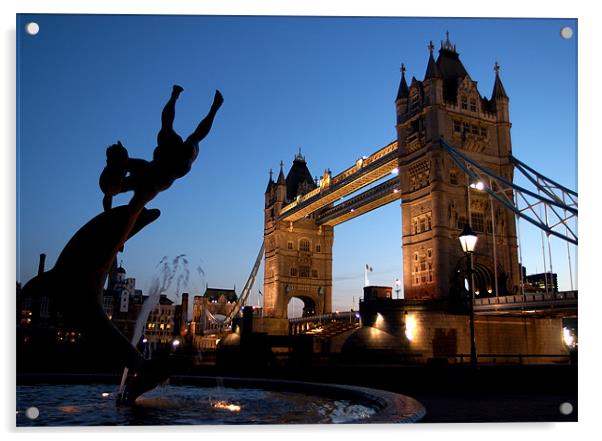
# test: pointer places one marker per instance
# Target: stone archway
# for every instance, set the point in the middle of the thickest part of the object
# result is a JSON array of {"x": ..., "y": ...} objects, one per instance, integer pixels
[
  {"x": 309, "y": 305},
  {"x": 484, "y": 278}
]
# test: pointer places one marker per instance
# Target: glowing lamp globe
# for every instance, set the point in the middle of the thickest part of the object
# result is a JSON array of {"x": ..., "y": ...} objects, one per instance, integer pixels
[{"x": 468, "y": 239}]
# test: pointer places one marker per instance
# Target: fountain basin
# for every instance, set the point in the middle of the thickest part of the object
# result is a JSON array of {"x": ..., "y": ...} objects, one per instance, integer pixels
[{"x": 210, "y": 400}]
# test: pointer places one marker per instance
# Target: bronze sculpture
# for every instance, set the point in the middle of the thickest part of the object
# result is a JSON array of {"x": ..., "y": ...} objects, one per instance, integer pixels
[{"x": 88, "y": 256}]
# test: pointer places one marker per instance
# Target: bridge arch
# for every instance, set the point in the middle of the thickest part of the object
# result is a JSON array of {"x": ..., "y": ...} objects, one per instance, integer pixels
[
  {"x": 309, "y": 305},
  {"x": 484, "y": 277}
]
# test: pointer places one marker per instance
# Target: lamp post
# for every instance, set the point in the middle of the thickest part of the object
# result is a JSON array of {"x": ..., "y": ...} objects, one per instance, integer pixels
[{"x": 468, "y": 241}]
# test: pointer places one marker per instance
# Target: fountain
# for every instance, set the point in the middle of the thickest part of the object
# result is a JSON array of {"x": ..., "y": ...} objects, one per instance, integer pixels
[{"x": 86, "y": 261}]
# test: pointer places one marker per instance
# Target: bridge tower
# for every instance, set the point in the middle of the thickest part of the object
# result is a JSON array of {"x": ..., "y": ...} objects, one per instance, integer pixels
[
  {"x": 298, "y": 256},
  {"x": 437, "y": 197}
]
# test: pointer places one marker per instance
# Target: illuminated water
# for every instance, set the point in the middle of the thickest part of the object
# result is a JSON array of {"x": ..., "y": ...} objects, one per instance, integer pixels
[{"x": 85, "y": 405}]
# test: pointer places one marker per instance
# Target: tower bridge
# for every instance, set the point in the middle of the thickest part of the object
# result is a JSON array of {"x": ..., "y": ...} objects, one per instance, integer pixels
[{"x": 449, "y": 137}]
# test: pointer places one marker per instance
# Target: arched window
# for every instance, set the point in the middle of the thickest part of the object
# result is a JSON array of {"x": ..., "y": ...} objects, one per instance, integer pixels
[{"x": 304, "y": 245}]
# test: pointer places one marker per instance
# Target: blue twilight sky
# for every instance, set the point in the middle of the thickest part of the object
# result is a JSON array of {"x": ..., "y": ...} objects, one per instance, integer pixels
[{"x": 325, "y": 85}]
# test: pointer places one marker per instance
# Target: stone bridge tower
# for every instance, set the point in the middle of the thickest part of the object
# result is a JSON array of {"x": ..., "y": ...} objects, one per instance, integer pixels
[
  {"x": 298, "y": 256},
  {"x": 437, "y": 198}
]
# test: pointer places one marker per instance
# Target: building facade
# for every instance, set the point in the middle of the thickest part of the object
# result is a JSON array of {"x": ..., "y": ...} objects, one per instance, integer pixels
[{"x": 437, "y": 198}]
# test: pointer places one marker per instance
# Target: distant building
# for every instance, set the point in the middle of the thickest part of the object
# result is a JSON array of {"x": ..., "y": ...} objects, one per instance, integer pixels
[
  {"x": 160, "y": 327},
  {"x": 216, "y": 302},
  {"x": 538, "y": 282}
]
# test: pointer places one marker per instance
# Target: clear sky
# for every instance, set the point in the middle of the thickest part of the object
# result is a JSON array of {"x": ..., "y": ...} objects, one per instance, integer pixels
[{"x": 325, "y": 85}]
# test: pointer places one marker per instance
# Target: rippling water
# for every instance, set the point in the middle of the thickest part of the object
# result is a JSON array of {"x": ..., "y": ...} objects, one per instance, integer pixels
[{"x": 93, "y": 405}]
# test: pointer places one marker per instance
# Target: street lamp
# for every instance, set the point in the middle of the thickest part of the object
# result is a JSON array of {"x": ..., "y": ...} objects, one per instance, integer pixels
[{"x": 468, "y": 241}]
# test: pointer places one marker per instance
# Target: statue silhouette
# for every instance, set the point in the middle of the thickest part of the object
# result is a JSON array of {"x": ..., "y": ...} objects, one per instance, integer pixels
[
  {"x": 172, "y": 158},
  {"x": 87, "y": 258}
]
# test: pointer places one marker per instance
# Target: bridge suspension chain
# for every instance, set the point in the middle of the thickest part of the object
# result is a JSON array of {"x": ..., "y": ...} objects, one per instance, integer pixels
[
  {"x": 559, "y": 202},
  {"x": 213, "y": 322}
]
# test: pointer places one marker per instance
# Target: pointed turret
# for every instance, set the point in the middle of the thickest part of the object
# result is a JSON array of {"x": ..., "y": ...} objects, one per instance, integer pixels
[
  {"x": 432, "y": 71},
  {"x": 498, "y": 87},
  {"x": 281, "y": 179},
  {"x": 281, "y": 185},
  {"x": 271, "y": 183},
  {"x": 269, "y": 191},
  {"x": 499, "y": 98},
  {"x": 403, "y": 92}
]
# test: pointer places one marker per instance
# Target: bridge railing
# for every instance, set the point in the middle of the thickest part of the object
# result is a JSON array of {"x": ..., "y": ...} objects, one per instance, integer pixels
[
  {"x": 528, "y": 298},
  {"x": 346, "y": 315},
  {"x": 510, "y": 358}
]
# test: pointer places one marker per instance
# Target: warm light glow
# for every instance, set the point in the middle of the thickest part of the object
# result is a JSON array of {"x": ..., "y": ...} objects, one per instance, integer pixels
[
  {"x": 568, "y": 338},
  {"x": 379, "y": 319},
  {"x": 480, "y": 185},
  {"x": 227, "y": 406},
  {"x": 105, "y": 394},
  {"x": 395, "y": 171},
  {"x": 468, "y": 239},
  {"x": 410, "y": 327},
  {"x": 176, "y": 343},
  {"x": 489, "y": 290},
  {"x": 145, "y": 340}
]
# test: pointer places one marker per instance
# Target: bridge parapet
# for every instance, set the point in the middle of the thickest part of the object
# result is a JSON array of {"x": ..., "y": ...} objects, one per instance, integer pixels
[
  {"x": 346, "y": 315},
  {"x": 566, "y": 300}
]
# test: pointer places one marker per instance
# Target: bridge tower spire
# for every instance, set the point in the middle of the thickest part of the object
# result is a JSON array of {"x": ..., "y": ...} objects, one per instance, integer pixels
[
  {"x": 298, "y": 255},
  {"x": 436, "y": 198}
]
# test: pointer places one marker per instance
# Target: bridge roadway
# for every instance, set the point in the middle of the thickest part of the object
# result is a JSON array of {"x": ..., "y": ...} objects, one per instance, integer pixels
[{"x": 363, "y": 173}]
